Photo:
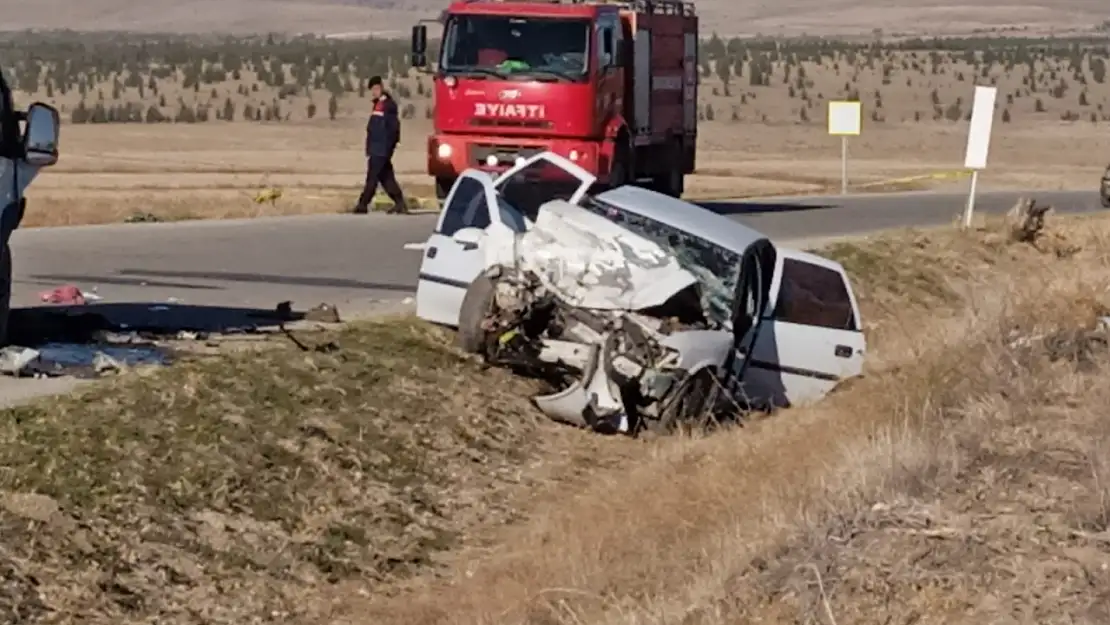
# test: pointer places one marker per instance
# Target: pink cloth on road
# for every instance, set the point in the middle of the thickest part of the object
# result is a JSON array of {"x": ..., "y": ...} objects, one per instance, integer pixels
[{"x": 68, "y": 294}]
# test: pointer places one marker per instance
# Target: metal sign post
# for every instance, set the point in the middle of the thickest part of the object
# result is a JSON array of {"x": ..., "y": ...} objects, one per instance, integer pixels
[
  {"x": 978, "y": 142},
  {"x": 845, "y": 120}
]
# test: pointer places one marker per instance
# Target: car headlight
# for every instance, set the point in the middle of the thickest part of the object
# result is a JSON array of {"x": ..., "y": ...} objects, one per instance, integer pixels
[{"x": 443, "y": 151}]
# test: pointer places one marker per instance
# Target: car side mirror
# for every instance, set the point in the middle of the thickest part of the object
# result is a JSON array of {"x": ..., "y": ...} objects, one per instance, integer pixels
[
  {"x": 419, "y": 45},
  {"x": 40, "y": 136}
]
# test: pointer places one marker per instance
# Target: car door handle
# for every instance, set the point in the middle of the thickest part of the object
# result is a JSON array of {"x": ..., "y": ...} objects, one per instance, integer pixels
[
  {"x": 468, "y": 246},
  {"x": 431, "y": 252},
  {"x": 843, "y": 351}
]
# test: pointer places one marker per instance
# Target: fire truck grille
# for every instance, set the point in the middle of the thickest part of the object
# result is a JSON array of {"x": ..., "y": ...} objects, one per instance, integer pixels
[{"x": 506, "y": 154}]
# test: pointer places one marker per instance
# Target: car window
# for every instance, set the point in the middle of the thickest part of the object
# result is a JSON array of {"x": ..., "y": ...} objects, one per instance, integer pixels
[
  {"x": 466, "y": 209},
  {"x": 812, "y": 295},
  {"x": 511, "y": 216}
]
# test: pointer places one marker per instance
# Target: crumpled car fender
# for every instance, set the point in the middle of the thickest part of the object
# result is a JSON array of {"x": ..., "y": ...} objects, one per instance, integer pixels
[{"x": 699, "y": 349}]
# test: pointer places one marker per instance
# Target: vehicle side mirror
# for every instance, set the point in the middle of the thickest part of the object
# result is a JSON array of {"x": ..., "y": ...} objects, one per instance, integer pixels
[
  {"x": 419, "y": 45},
  {"x": 40, "y": 136}
]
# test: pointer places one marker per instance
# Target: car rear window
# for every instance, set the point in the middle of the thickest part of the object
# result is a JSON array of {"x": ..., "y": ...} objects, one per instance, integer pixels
[{"x": 813, "y": 295}]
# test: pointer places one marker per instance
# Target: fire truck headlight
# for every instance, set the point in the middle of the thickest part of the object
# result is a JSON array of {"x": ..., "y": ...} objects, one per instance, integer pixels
[
  {"x": 443, "y": 151},
  {"x": 491, "y": 160},
  {"x": 573, "y": 155}
]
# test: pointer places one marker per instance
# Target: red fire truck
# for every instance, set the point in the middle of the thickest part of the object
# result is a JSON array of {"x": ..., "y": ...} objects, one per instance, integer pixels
[{"x": 611, "y": 85}]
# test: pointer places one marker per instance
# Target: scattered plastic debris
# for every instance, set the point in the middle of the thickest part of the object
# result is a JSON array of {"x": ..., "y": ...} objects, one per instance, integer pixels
[
  {"x": 323, "y": 313},
  {"x": 103, "y": 363},
  {"x": 68, "y": 295},
  {"x": 15, "y": 360}
]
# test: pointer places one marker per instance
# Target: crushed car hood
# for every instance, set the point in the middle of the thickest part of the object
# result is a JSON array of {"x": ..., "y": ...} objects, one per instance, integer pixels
[{"x": 590, "y": 262}]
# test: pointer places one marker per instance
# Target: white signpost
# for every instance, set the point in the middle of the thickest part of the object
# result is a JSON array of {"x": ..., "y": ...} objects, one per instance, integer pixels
[
  {"x": 845, "y": 120},
  {"x": 978, "y": 142}
]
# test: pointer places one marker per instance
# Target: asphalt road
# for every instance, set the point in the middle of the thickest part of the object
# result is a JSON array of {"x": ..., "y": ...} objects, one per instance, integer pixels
[{"x": 354, "y": 261}]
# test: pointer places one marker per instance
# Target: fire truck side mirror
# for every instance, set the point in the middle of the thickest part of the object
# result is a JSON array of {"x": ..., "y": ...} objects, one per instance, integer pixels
[{"x": 419, "y": 45}]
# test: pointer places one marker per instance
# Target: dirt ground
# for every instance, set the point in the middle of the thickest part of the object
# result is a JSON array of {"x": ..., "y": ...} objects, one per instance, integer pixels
[
  {"x": 374, "y": 476},
  {"x": 113, "y": 173}
]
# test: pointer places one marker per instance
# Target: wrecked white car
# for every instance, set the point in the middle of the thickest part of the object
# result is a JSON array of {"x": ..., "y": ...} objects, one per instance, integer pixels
[{"x": 643, "y": 310}]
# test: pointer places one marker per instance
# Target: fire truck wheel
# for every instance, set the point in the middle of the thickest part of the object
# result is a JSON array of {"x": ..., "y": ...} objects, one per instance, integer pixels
[
  {"x": 619, "y": 170},
  {"x": 443, "y": 187}
]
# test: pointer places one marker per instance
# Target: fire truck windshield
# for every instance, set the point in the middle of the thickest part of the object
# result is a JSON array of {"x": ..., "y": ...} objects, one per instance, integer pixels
[{"x": 508, "y": 47}]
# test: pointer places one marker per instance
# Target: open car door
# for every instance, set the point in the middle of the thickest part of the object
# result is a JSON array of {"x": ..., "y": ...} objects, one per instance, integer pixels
[
  {"x": 810, "y": 338},
  {"x": 540, "y": 178},
  {"x": 453, "y": 254}
]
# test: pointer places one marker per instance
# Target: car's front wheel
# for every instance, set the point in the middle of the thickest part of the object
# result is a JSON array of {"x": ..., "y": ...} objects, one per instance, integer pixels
[
  {"x": 476, "y": 304},
  {"x": 691, "y": 406}
]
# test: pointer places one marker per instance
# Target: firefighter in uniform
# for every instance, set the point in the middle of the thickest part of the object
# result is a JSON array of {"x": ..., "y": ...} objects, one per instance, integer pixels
[{"x": 383, "y": 132}]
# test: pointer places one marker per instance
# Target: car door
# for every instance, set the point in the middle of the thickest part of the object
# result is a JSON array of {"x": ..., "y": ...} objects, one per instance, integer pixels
[
  {"x": 746, "y": 320},
  {"x": 810, "y": 337},
  {"x": 454, "y": 254},
  {"x": 540, "y": 178}
]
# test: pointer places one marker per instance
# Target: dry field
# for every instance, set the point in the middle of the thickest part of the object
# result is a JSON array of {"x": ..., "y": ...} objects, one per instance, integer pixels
[
  {"x": 373, "y": 476},
  {"x": 792, "y": 17},
  {"x": 763, "y": 132},
  {"x": 111, "y": 173}
]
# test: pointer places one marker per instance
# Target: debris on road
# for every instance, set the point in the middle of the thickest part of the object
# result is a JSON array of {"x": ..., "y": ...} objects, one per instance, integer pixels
[
  {"x": 323, "y": 313},
  {"x": 103, "y": 363},
  {"x": 68, "y": 295},
  {"x": 16, "y": 360}
]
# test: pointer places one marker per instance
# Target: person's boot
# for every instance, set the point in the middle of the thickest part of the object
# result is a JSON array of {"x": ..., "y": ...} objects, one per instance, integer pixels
[
  {"x": 360, "y": 209},
  {"x": 398, "y": 208}
]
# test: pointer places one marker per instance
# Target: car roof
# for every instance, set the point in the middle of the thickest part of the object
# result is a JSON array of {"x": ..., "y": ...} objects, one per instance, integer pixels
[{"x": 691, "y": 218}]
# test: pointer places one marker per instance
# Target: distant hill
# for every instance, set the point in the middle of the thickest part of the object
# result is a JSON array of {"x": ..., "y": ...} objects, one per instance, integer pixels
[{"x": 395, "y": 17}]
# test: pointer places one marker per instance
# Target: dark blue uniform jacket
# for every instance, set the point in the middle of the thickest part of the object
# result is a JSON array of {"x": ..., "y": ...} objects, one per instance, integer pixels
[{"x": 383, "y": 129}]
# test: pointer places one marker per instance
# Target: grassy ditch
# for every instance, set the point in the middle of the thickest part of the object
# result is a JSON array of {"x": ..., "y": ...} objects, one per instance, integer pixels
[
  {"x": 225, "y": 489},
  {"x": 377, "y": 476},
  {"x": 962, "y": 478}
]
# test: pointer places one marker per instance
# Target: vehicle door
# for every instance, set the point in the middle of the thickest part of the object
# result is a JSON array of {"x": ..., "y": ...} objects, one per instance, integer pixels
[
  {"x": 746, "y": 321},
  {"x": 454, "y": 254},
  {"x": 540, "y": 178},
  {"x": 810, "y": 337}
]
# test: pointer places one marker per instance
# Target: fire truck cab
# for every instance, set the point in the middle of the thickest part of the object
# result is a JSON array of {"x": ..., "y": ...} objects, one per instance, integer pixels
[{"x": 612, "y": 86}]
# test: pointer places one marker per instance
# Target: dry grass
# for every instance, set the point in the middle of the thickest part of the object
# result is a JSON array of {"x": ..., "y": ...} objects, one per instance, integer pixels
[
  {"x": 384, "y": 479},
  {"x": 229, "y": 489},
  {"x": 965, "y": 470},
  {"x": 379, "y": 16}
]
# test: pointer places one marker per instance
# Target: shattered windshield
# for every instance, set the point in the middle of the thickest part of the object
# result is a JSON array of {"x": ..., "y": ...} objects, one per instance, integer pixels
[
  {"x": 505, "y": 47},
  {"x": 716, "y": 268}
]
